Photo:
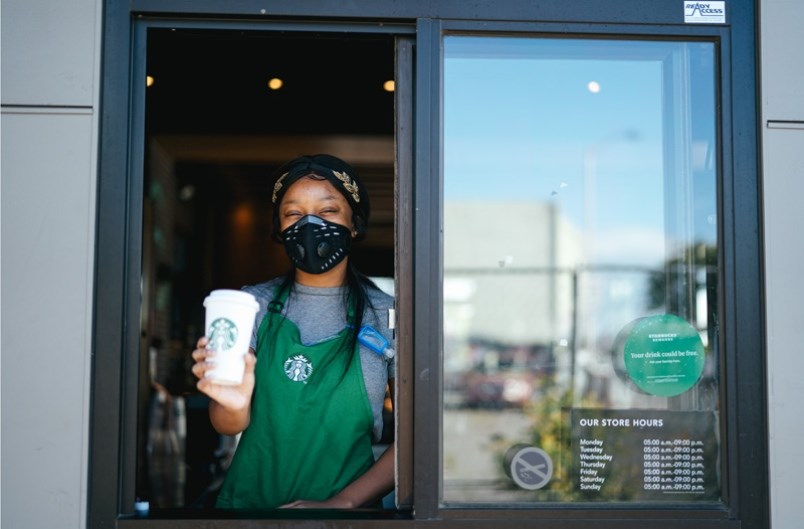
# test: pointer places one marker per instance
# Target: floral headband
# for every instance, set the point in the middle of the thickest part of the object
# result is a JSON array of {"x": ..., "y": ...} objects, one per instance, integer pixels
[{"x": 348, "y": 184}]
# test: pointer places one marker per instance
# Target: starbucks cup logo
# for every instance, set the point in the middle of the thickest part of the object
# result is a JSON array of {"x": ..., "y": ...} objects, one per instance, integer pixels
[
  {"x": 229, "y": 321},
  {"x": 222, "y": 334}
]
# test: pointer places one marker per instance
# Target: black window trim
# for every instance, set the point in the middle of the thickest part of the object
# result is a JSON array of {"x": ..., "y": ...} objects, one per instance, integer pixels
[
  {"x": 728, "y": 511},
  {"x": 117, "y": 285}
]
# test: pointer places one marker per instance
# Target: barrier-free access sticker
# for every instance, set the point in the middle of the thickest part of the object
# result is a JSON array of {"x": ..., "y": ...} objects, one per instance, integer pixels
[{"x": 704, "y": 12}]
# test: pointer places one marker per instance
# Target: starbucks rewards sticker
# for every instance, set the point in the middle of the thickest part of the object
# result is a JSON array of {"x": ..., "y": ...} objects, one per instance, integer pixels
[{"x": 664, "y": 355}]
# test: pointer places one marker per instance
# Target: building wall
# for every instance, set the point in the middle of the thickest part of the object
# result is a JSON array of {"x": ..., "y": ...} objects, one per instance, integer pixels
[
  {"x": 782, "y": 71},
  {"x": 50, "y": 78},
  {"x": 50, "y": 63}
]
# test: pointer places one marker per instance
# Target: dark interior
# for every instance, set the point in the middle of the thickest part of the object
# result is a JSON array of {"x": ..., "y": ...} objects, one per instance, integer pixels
[{"x": 214, "y": 134}]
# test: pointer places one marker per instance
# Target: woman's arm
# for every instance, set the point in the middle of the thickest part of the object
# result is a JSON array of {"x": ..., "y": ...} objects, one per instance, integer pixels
[
  {"x": 371, "y": 486},
  {"x": 228, "y": 421}
]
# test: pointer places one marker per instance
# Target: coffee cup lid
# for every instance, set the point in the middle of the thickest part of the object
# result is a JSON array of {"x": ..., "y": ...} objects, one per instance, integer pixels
[{"x": 233, "y": 296}]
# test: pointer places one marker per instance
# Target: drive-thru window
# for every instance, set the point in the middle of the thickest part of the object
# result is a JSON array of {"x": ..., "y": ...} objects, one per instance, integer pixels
[{"x": 565, "y": 207}]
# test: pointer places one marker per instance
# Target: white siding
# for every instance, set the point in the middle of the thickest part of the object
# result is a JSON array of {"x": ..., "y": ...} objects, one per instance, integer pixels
[
  {"x": 48, "y": 52},
  {"x": 782, "y": 71},
  {"x": 48, "y": 205},
  {"x": 782, "y": 60},
  {"x": 784, "y": 259},
  {"x": 50, "y": 64}
]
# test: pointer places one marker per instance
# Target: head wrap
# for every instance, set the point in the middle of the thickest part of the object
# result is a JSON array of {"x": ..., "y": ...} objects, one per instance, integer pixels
[{"x": 340, "y": 174}]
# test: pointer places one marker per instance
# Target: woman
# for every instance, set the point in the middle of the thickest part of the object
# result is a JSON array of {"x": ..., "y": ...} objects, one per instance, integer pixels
[{"x": 311, "y": 407}]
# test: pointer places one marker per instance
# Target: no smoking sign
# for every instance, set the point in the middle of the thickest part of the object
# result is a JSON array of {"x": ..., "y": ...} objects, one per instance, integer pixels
[{"x": 529, "y": 467}]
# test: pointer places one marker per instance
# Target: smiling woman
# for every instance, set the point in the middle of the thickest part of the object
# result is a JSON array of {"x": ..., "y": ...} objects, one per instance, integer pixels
[{"x": 311, "y": 408}]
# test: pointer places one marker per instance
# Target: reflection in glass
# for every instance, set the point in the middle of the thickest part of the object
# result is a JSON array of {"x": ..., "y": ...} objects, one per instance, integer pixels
[{"x": 580, "y": 209}]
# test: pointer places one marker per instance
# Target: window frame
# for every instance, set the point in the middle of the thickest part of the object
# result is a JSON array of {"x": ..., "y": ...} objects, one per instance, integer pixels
[
  {"x": 720, "y": 38},
  {"x": 740, "y": 274},
  {"x": 118, "y": 251}
]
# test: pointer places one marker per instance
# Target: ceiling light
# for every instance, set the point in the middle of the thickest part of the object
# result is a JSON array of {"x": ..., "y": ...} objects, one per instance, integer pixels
[
  {"x": 149, "y": 81},
  {"x": 593, "y": 87},
  {"x": 389, "y": 85},
  {"x": 275, "y": 83},
  {"x": 186, "y": 192}
]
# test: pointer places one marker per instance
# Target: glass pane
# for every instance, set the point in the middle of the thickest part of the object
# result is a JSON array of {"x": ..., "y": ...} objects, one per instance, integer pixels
[{"x": 580, "y": 271}]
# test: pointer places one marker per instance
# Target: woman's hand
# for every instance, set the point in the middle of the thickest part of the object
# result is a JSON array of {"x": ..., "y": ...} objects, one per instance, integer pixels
[
  {"x": 370, "y": 487},
  {"x": 331, "y": 503},
  {"x": 229, "y": 411}
]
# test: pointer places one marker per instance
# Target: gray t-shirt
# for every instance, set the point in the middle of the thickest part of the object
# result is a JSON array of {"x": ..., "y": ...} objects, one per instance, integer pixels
[{"x": 319, "y": 314}]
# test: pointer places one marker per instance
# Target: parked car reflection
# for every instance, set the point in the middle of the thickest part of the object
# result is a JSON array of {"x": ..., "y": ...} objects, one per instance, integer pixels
[{"x": 498, "y": 376}]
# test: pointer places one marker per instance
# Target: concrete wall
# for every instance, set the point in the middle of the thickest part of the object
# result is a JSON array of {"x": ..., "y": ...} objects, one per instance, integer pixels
[
  {"x": 782, "y": 71},
  {"x": 50, "y": 64}
]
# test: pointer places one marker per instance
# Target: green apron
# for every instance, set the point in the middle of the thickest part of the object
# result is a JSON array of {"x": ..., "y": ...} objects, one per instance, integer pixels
[{"x": 311, "y": 426}]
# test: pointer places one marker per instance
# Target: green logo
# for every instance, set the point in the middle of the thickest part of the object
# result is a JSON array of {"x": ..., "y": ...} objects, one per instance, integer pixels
[
  {"x": 222, "y": 334},
  {"x": 298, "y": 368},
  {"x": 663, "y": 355}
]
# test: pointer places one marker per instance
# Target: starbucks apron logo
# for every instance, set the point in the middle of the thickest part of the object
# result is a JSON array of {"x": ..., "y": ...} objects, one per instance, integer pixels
[
  {"x": 298, "y": 368},
  {"x": 222, "y": 334}
]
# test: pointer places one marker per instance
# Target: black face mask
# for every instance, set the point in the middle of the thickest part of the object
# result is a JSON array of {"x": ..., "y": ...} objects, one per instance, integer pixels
[{"x": 315, "y": 245}]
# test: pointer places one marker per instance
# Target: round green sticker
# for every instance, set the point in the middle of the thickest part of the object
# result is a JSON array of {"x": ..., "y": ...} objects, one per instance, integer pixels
[{"x": 663, "y": 355}]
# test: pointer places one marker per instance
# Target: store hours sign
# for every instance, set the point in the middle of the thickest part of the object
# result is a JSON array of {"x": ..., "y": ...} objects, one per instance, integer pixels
[{"x": 644, "y": 455}]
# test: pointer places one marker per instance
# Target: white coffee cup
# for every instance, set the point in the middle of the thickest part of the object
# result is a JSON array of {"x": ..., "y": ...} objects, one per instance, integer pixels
[{"x": 229, "y": 323}]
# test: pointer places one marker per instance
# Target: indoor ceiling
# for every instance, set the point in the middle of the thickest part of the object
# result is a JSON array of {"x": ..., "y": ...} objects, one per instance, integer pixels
[{"x": 216, "y": 82}]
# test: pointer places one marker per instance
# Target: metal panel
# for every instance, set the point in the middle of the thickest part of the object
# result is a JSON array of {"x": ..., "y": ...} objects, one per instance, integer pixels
[
  {"x": 48, "y": 255},
  {"x": 427, "y": 264},
  {"x": 784, "y": 253},
  {"x": 404, "y": 272},
  {"x": 624, "y": 11},
  {"x": 110, "y": 273},
  {"x": 49, "y": 52},
  {"x": 743, "y": 316},
  {"x": 782, "y": 67}
]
